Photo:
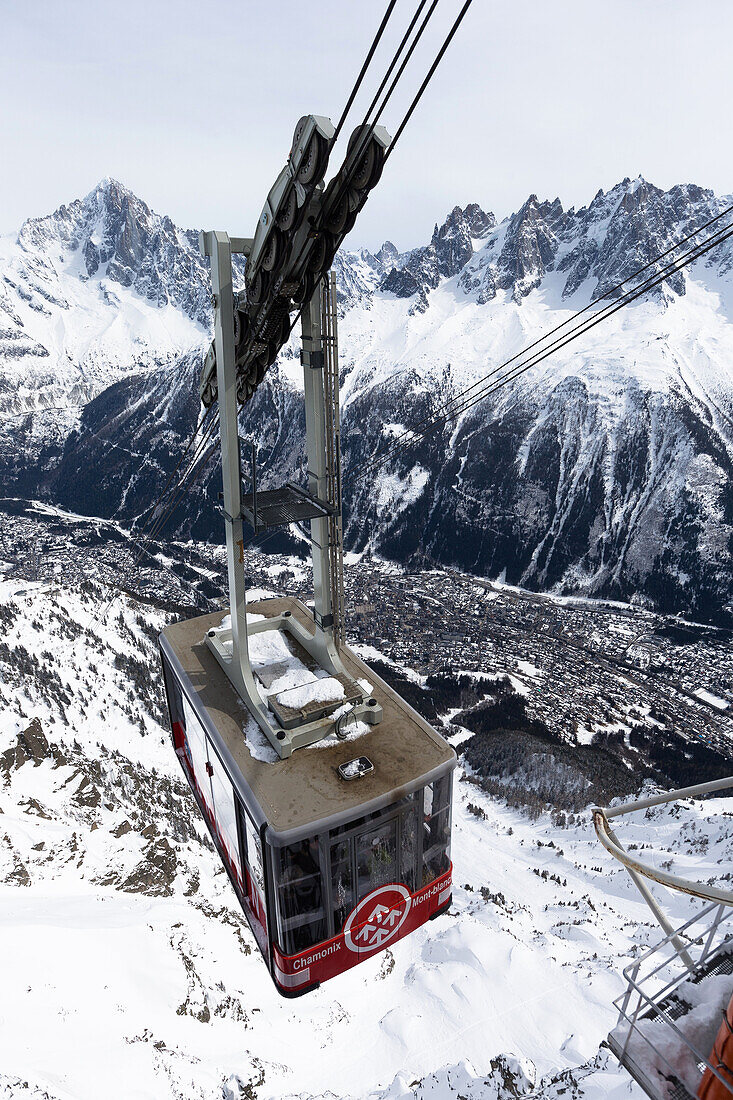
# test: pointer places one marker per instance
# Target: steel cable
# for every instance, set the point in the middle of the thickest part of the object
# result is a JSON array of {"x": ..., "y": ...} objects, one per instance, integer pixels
[
  {"x": 196, "y": 430},
  {"x": 521, "y": 368},
  {"x": 691, "y": 256},
  {"x": 563, "y": 324},
  {"x": 180, "y": 486},
  {"x": 157, "y": 523},
  {"x": 464, "y": 405},
  {"x": 365, "y": 138},
  {"x": 429, "y": 77},
  {"x": 364, "y": 68}
]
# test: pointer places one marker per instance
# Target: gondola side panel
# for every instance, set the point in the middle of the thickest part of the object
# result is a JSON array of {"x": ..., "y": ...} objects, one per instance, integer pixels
[
  {"x": 218, "y": 804},
  {"x": 378, "y": 921}
]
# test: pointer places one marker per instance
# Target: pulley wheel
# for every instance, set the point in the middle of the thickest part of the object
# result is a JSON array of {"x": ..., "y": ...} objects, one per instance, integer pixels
[
  {"x": 261, "y": 363},
  {"x": 331, "y": 248},
  {"x": 304, "y": 293},
  {"x": 272, "y": 353},
  {"x": 257, "y": 288},
  {"x": 297, "y": 133},
  {"x": 288, "y": 213},
  {"x": 243, "y": 390},
  {"x": 318, "y": 255},
  {"x": 241, "y": 329},
  {"x": 272, "y": 255},
  {"x": 208, "y": 397},
  {"x": 338, "y": 215},
  {"x": 369, "y": 166},
  {"x": 312, "y": 162}
]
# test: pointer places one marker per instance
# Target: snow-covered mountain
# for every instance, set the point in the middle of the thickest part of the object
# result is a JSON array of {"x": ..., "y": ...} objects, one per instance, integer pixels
[
  {"x": 128, "y": 969},
  {"x": 606, "y": 470}
]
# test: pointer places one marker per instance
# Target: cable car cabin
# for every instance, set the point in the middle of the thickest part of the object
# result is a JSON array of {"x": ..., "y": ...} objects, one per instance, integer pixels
[{"x": 338, "y": 850}]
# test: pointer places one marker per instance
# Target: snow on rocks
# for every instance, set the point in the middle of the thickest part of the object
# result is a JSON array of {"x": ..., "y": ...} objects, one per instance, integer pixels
[
  {"x": 590, "y": 456},
  {"x": 126, "y": 957}
]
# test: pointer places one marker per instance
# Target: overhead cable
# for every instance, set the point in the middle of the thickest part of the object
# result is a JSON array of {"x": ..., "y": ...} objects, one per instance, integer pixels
[
  {"x": 610, "y": 293},
  {"x": 156, "y": 523},
  {"x": 194, "y": 433},
  {"x": 365, "y": 66},
  {"x": 429, "y": 77},
  {"x": 457, "y": 408},
  {"x": 368, "y": 127}
]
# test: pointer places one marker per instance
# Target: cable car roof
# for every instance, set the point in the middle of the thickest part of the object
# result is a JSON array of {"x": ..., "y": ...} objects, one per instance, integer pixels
[{"x": 306, "y": 788}]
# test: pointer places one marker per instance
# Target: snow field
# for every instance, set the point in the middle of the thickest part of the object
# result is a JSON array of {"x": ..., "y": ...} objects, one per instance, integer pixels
[{"x": 164, "y": 994}]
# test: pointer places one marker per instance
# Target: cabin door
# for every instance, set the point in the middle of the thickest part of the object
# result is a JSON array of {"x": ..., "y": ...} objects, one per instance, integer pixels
[{"x": 376, "y": 857}]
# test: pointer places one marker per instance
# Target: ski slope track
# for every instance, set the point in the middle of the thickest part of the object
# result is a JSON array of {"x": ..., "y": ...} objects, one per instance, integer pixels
[
  {"x": 128, "y": 969},
  {"x": 605, "y": 471}
]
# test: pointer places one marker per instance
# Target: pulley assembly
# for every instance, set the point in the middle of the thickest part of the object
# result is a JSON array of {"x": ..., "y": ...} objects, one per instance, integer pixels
[{"x": 300, "y": 229}]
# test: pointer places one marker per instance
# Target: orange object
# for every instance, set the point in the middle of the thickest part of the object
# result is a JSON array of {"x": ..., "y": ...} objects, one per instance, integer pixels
[{"x": 721, "y": 1057}]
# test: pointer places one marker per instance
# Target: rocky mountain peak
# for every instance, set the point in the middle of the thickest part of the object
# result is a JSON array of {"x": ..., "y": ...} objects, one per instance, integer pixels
[
  {"x": 634, "y": 403},
  {"x": 96, "y": 218},
  {"x": 450, "y": 249},
  {"x": 638, "y": 222},
  {"x": 453, "y": 240},
  {"x": 530, "y": 246},
  {"x": 479, "y": 221},
  {"x": 387, "y": 255},
  {"x": 452, "y": 243},
  {"x": 113, "y": 234}
]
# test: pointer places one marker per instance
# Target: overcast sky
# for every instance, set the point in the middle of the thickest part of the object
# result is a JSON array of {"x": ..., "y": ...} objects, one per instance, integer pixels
[{"x": 192, "y": 105}]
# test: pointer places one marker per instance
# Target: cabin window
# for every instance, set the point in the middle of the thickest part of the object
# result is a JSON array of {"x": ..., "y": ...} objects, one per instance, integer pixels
[
  {"x": 376, "y": 857},
  {"x": 254, "y": 853},
  {"x": 408, "y": 846},
  {"x": 372, "y": 852},
  {"x": 320, "y": 880},
  {"x": 342, "y": 883},
  {"x": 436, "y": 829},
  {"x": 197, "y": 753},
  {"x": 175, "y": 707},
  {"x": 300, "y": 901},
  {"x": 254, "y": 879},
  {"x": 225, "y": 813}
]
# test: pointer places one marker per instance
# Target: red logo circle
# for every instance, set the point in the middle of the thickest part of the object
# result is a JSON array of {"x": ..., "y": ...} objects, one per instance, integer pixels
[{"x": 377, "y": 918}]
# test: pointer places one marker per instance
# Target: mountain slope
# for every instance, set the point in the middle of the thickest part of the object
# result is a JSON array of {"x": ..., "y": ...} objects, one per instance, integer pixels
[
  {"x": 125, "y": 957},
  {"x": 606, "y": 470}
]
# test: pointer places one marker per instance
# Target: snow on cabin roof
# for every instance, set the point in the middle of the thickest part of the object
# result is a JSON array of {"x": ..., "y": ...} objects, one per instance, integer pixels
[{"x": 305, "y": 788}]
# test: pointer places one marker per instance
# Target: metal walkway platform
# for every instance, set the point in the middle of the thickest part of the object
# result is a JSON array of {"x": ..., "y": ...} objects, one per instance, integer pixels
[
  {"x": 661, "y": 1038},
  {"x": 279, "y": 507}
]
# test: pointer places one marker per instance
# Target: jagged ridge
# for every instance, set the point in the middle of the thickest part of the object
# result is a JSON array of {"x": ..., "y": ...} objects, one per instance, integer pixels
[{"x": 607, "y": 471}]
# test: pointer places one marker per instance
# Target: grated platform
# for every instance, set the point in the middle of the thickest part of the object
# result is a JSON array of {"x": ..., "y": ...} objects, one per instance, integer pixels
[{"x": 279, "y": 507}]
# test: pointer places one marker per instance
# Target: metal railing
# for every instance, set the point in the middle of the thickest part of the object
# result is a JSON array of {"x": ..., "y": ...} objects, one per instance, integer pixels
[
  {"x": 639, "y": 870},
  {"x": 607, "y": 837},
  {"x": 652, "y": 1038}
]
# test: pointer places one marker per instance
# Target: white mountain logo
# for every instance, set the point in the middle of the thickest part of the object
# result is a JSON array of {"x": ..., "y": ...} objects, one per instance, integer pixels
[{"x": 377, "y": 918}]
